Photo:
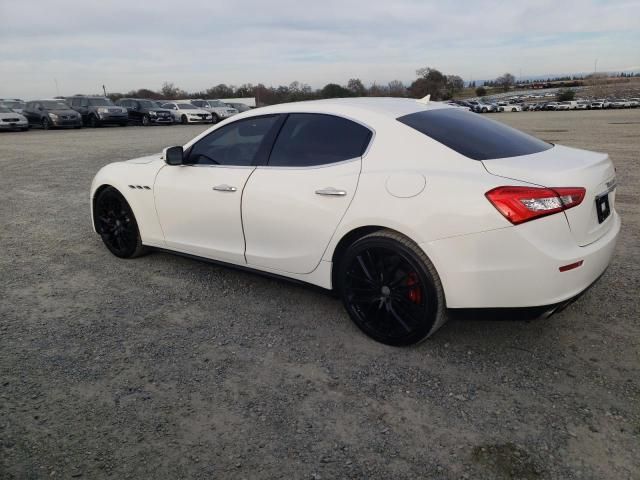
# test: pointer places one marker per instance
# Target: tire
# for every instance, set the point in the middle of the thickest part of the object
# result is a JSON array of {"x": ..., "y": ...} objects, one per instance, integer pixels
[
  {"x": 93, "y": 121},
  {"x": 116, "y": 224},
  {"x": 184, "y": 120},
  {"x": 146, "y": 121},
  {"x": 214, "y": 118},
  {"x": 46, "y": 124},
  {"x": 514, "y": 109},
  {"x": 390, "y": 289},
  {"x": 24, "y": 129},
  {"x": 484, "y": 110}
]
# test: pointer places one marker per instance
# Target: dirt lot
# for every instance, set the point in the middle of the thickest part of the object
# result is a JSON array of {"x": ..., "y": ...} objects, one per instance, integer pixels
[{"x": 166, "y": 367}]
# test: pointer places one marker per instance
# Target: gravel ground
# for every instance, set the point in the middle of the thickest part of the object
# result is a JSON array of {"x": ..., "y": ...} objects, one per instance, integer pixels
[{"x": 166, "y": 367}]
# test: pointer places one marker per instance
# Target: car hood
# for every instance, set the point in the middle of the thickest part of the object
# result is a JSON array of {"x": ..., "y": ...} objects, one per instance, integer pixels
[
  {"x": 12, "y": 115},
  {"x": 63, "y": 111},
  {"x": 146, "y": 159},
  {"x": 197, "y": 111}
]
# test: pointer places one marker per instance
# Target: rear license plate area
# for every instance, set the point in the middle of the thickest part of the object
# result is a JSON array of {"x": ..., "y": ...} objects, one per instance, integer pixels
[{"x": 602, "y": 207}]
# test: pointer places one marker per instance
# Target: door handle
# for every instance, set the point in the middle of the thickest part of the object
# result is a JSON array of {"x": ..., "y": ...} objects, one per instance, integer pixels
[
  {"x": 331, "y": 192},
  {"x": 224, "y": 188}
]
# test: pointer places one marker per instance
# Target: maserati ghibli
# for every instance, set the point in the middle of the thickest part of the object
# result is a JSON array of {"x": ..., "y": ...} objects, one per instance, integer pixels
[{"x": 405, "y": 208}]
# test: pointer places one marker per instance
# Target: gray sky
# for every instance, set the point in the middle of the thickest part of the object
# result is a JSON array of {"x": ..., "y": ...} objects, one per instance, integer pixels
[{"x": 197, "y": 44}]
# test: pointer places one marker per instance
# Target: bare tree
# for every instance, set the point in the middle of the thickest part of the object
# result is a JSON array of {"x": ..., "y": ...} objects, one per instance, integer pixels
[
  {"x": 356, "y": 87},
  {"x": 397, "y": 89},
  {"x": 506, "y": 81}
]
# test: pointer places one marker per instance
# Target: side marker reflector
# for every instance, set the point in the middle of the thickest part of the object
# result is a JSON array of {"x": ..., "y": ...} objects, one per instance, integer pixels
[{"x": 571, "y": 266}]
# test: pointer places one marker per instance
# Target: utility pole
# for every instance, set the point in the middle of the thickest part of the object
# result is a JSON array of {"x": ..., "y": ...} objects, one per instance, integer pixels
[{"x": 104, "y": 90}]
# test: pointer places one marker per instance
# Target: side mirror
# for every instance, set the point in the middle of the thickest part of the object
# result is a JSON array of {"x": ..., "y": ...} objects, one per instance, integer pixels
[{"x": 173, "y": 155}]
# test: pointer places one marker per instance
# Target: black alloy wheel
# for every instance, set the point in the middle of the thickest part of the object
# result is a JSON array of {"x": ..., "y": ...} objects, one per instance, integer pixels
[
  {"x": 46, "y": 123},
  {"x": 117, "y": 225},
  {"x": 391, "y": 290}
]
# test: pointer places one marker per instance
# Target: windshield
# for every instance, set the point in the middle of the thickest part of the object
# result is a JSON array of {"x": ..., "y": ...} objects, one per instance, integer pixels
[
  {"x": 216, "y": 103},
  {"x": 186, "y": 106},
  {"x": 241, "y": 107},
  {"x": 200, "y": 103},
  {"x": 100, "y": 102},
  {"x": 472, "y": 135},
  {"x": 4, "y": 109},
  {"x": 148, "y": 104},
  {"x": 13, "y": 104},
  {"x": 54, "y": 105}
]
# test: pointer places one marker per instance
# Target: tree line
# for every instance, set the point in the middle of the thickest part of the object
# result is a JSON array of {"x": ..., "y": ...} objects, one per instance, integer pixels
[{"x": 429, "y": 81}]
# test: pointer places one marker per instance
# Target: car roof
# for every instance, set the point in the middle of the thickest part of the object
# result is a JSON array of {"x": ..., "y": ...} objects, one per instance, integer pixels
[{"x": 383, "y": 106}]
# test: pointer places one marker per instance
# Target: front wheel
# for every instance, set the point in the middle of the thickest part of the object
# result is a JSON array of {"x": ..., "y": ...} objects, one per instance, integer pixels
[
  {"x": 214, "y": 118},
  {"x": 116, "y": 224},
  {"x": 390, "y": 289},
  {"x": 146, "y": 121},
  {"x": 46, "y": 124},
  {"x": 184, "y": 119},
  {"x": 93, "y": 121}
]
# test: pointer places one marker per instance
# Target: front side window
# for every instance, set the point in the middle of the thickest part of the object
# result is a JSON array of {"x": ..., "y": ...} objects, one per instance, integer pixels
[
  {"x": 473, "y": 135},
  {"x": 234, "y": 144},
  {"x": 186, "y": 106},
  {"x": 53, "y": 105},
  {"x": 216, "y": 104},
  {"x": 309, "y": 139}
]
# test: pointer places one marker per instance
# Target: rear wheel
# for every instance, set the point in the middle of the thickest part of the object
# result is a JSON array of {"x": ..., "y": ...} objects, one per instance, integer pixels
[
  {"x": 117, "y": 225},
  {"x": 390, "y": 289}
]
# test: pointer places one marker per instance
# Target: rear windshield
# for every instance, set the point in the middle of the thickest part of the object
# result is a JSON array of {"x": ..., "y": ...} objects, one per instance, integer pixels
[{"x": 473, "y": 135}]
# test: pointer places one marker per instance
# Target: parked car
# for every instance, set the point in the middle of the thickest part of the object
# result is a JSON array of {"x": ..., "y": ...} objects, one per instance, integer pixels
[
  {"x": 510, "y": 108},
  {"x": 218, "y": 109},
  {"x": 146, "y": 112},
  {"x": 12, "y": 120},
  {"x": 14, "y": 104},
  {"x": 98, "y": 111},
  {"x": 187, "y": 113},
  {"x": 619, "y": 103},
  {"x": 635, "y": 102},
  {"x": 540, "y": 214},
  {"x": 485, "y": 107},
  {"x": 51, "y": 113},
  {"x": 571, "y": 104},
  {"x": 596, "y": 105},
  {"x": 582, "y": 105},
  {"x": 240, "y": 107}
]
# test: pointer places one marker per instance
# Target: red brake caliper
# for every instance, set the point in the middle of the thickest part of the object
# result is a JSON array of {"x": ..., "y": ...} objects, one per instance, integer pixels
[{"x": 415, "y": 293}]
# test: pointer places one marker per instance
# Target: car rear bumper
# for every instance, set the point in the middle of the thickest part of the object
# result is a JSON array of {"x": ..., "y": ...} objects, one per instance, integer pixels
[{"x": 519, "y": 266}]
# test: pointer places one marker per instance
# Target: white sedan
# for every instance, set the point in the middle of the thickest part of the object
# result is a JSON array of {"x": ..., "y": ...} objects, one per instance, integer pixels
[
  {"x": 405, "y": 208},
  {"x": 12, "y": 120},
  {"x": 509, "y": 108},
  {"x": 186, "y": 113}
]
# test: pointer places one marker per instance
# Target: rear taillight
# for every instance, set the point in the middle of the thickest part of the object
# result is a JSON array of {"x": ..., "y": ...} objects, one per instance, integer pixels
[{"x": 521, "y": 204}]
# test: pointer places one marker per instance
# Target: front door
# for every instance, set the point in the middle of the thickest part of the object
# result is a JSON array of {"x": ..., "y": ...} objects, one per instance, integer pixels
[{"x": 199, "y": 203}]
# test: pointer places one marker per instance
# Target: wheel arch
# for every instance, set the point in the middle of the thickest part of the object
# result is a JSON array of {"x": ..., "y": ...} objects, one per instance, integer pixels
[{"x": 352, "y": 236}]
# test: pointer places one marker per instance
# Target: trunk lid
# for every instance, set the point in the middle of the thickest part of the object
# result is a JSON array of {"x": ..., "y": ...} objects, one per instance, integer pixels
[{"x": 568, "y": 167}]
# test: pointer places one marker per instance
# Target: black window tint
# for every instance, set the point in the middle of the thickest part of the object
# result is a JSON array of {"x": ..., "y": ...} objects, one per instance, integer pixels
[
  {"x": 308, "y": 139},
  {"x": 234, "y": 144},
  {"x": 473, "y": 135}
]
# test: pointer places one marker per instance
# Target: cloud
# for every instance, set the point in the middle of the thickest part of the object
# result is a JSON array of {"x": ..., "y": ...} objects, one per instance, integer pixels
[{"x": 197, "y": 44}]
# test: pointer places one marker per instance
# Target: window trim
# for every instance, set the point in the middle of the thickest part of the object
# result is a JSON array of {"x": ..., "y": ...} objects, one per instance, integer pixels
[
  {"x": 372, "y": 135},
  {"x": 264, "y": 149}
]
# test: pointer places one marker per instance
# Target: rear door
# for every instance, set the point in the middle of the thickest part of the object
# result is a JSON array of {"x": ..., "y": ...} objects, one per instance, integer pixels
[{"x": 292, "y": 206}]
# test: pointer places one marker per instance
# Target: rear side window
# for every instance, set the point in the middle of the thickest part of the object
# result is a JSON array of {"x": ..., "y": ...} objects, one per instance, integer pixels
[
  {"x": 472, "y": 135},
  {"x": 309, "y": 139}
]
